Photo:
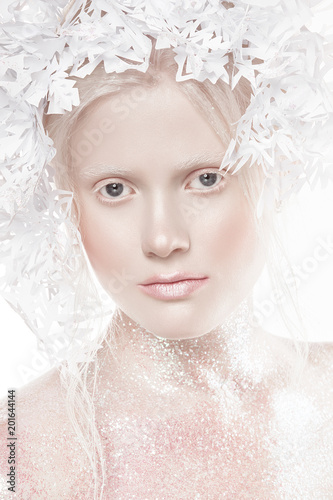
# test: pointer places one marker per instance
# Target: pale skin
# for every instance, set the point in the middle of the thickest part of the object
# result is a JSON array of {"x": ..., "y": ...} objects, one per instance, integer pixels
[
  {"x": 161, "y": 223},
  {"x": 166, "y": 219}
]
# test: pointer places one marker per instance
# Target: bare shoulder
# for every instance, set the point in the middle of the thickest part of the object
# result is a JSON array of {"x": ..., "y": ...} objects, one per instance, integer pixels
[
  {"x": 35, "y": 402},
  {"x": 317, "y": 376},
  {"x": 321, "y": 356},
  {"x": 25, "y": 416},
  {"x": 46, "y": 443},
  {"x": 320, "y": 374},
  {"x": 41, "y": 403}
]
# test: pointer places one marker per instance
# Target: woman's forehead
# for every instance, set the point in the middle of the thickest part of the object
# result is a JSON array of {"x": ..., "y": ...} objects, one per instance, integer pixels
[{"x": 164, "y": 124}]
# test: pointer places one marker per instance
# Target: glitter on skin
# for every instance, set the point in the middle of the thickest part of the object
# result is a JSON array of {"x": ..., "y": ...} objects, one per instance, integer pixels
[{"x": 174, "y": 427}]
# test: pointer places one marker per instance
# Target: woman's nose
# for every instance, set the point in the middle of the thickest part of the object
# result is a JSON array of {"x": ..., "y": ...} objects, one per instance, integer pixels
[{"x": 164, "y": 231}]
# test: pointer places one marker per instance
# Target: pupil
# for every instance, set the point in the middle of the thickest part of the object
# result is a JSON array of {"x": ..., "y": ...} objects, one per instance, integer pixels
[
  {"x": 114, "y": 189},
  {"x": 208, "y": 179}
]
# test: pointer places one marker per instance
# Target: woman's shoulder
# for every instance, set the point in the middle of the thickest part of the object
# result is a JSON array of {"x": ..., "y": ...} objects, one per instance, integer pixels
[
  {"x": 32, "y": 402},
  {"x": 316, "y": 377},
  {"x": 319, "y": 358},
  {"x": 319, "y": 382},
  {"x": 45, "y": 442},
  {"x": 38, "y": 404}
]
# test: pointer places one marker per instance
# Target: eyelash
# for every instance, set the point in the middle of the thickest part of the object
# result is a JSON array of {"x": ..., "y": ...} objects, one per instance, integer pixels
[{"x": 203, "y": 192}]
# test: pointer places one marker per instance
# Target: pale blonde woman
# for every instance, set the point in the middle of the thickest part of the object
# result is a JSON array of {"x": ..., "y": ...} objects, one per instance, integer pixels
[{"x": 188, "y": 398}]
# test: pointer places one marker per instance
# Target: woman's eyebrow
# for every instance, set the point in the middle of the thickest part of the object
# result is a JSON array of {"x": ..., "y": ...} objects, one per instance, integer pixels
[{"x": 201, "y": 160}]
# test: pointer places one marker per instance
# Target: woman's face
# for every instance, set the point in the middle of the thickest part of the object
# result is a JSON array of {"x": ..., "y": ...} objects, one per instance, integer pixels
[{"x": 153, "y": 203}]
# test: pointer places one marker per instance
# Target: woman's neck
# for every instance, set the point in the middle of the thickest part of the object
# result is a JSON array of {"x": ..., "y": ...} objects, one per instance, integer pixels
[{"x": 233, "y": 352}]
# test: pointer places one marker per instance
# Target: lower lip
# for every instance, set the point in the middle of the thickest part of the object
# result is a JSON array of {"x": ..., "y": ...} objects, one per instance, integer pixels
[{"x": 176, "y": 290}]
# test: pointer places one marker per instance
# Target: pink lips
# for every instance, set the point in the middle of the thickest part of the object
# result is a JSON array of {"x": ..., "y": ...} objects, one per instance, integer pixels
[{"x": 173, "y": 286}]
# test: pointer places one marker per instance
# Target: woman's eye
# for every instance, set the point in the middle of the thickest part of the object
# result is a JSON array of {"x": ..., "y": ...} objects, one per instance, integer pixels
[
  {"x": 114, "y": 190},
  {"x": 118, "y": 190},
  {"x": 208, "y": 179}
]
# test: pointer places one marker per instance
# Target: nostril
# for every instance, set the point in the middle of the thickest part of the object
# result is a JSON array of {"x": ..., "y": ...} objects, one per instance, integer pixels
[{"x": 164, "y": 246}]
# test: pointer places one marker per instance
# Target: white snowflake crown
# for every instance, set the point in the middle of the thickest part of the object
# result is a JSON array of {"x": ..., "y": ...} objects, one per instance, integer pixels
[{"x": 287, "y": 128}]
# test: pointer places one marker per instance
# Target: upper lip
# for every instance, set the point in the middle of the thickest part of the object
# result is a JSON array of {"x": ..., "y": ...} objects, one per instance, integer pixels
[{"x": 172, "y": 278}]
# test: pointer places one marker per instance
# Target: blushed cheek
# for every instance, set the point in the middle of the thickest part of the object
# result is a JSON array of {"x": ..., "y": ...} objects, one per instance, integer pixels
[
  {"x": 101, "y": 245},
  {"x": 235, "y": 246}
]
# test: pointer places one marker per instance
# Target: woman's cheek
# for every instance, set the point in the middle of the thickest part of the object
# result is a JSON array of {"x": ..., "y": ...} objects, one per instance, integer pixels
[
  {"x": 102, "y": 239},
  {"x": 235, "y": 242}
]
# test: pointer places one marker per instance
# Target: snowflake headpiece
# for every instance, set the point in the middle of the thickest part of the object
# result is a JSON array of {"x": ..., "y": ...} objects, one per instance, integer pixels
[{"x": 287, "y": 128}]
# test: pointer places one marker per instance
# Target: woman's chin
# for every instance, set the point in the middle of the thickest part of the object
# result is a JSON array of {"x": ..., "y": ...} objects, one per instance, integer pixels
[
  {"x": 178, "y": 335},
  {"x": 177, "y": 330}
]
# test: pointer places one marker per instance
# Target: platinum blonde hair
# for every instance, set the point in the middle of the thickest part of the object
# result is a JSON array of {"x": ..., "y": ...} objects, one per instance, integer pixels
[{"x": 221, "y": 107}]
